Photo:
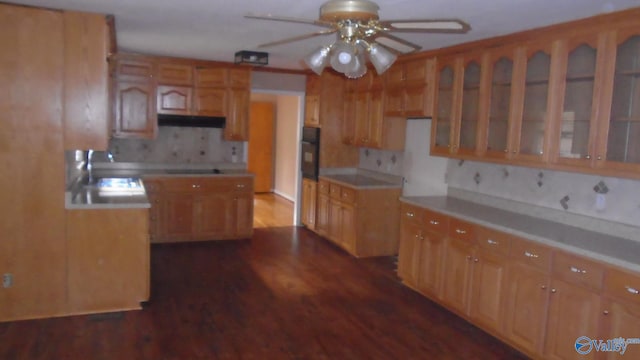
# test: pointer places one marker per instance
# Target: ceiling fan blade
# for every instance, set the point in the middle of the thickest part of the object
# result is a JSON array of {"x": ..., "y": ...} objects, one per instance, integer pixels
[
  {"x": 395, "y": 43},
  {"x": 426, "y": 25},
  {"x": 289, "y": 19},
  {"x": 297, "y": 38}
]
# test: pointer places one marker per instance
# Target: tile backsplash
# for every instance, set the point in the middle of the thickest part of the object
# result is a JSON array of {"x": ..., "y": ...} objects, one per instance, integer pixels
[
  {"x": 606, "y": 198},
  {"x": 178, "y": 145},
  {"x": 384, "y": 161}
]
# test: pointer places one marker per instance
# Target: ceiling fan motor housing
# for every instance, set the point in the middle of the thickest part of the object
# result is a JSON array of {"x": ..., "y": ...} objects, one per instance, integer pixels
[{"x": 354, "y": 10}]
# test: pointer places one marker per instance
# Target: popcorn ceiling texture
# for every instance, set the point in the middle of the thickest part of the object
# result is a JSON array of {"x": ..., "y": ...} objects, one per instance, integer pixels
[
  {"x": 570, "y": 192},
  {"x": 178, "y": 145}
]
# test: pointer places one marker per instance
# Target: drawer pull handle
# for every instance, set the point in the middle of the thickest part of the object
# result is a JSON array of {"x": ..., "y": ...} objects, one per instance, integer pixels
[
  {"x": 458, "y": 231},
  {"x": 492, "y": 242},
  {"x": 240, "y": 186},
  {"x": 410, "y": 214},
  {"x": 632, "y": 290},
  {"x": 530, "y": 255},
  {"x": 433, "y": 222},
  {"x": 576, "y": 270}
]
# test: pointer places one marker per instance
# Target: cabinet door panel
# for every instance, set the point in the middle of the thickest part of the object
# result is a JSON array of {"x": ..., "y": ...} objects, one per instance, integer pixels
[
  {"x": 322, "y": 219},
  {"x": 312, "y": 111},
  {"x": 211, "y": 77},
  {"x": 409, "y": 252},
  {"x": 174, "y": 100},
  {"x": 215, "y": 216},
  {"x": 526, "y": 307},
  {"x": 430, "y": 266},
  {"x": 309, "y": 191},
  {"x": 243, "y": 215},
  {"x": 135, "y": 110},
  {"x": 457, "y": 274},
  {"x": 335, "y": 220},
  {"x": 534, "y": 117},
  {"x": 179, "y": 216},
  {"x": 349, "y": 120},
  {"x": 375, "y": 117},
  {"x": 210, "y": 102},
  {"x": 500, "y": 107},
  {"x": 620, "y": 319},
  {"x": 470, "y": 107},
  {"x": 489, "y": 273},
  {"x": 394, "y": 102},
  {"x": 240, "y": 78},
  {"x": 573, "y": 312},
  {"x": 237, "y": 123},
  {"x": 175, "y": 74},
  {"x": 362, "y": 118},
  {"x": 348, "y": 228},
  {"x": 415, "y": 101}
]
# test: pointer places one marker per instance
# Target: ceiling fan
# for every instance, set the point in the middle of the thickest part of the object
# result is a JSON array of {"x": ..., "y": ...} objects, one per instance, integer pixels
[{"x": 360, "y": 31}]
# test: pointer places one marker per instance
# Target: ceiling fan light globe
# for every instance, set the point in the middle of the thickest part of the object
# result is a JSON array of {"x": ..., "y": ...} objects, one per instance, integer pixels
[
  {"x": 381, "y": 58},
  {"x": 359, "y": 67},
  {"x": 343, "y": 57},
  {"x": 318, "y": 59}
]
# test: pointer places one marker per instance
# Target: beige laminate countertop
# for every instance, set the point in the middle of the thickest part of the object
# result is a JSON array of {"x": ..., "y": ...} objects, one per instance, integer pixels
[
  {"x": 81, "y": 196},
  {"x": 614, "y": 250},
  {"x": 360, "y": 181}
]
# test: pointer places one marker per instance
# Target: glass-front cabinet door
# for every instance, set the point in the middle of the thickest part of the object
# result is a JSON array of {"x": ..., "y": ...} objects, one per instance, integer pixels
[
  {"x": 530, "y": 144},
  {"x": 446, "y": 112},
  {"x": 496, "y": 139},
  {"x": 467, "y": 131},
  {"x": 575, "y": 136},
  {"x": 623, "y": 136}
]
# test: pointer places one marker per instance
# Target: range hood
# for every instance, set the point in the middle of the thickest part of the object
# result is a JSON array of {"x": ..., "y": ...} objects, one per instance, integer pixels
[{"x": 191, "y": 121}]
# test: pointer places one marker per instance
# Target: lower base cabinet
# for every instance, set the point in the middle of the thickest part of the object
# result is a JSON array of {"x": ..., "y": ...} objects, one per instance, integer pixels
[
  {"x": 200, "y": 208},
  {"x": 308, "y": 206},
  {"x": 108, "y": 259},
  {"x": 362, "y": 221},
  {"x": 539, "y": 299}
]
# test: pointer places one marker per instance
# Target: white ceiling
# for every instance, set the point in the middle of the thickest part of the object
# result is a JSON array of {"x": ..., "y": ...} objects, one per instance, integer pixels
[{"x": 216, "y": 29}]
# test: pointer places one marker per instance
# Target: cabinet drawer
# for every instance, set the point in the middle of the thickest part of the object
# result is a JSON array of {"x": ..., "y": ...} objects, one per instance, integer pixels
[
  {"x": 577, "y": 270},
  {"x": 462, "y": 230},
  {"x": 532, "y": 254},
  {"x": 323, "y": 187},
  {"x": 623, "y": 285},
  {"x": 348, "y": 195},
  {"x": 227, "y": 184},
  {"x": 493, "y": 240},
  {"x": 411, "y": 213},
  {"x": 436, "y": 222},
  {"x": 335, "y": 191},
  {"x": 182, "y": 184}
]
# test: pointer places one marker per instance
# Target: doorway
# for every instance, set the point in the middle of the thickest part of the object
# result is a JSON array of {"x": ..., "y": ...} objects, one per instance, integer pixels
[{"x": 274, "y": 146}]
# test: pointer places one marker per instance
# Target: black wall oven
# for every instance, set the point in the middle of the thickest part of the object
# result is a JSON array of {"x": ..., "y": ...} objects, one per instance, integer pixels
[{"x": 309, "y": 159}]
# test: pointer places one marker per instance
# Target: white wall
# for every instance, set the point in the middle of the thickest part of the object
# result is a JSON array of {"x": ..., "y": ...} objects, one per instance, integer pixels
[{"x": 286, "y": 148}]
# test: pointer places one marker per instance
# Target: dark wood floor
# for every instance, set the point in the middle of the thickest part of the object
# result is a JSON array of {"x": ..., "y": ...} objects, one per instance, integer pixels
[{"x": 285, "y": 294}]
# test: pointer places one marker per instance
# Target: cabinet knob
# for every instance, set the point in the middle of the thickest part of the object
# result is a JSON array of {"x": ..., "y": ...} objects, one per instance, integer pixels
[
  {"x": 553, "y": 291},
  {"x": 606, "y": 312},
  {"x": 576, "y": 270},
  {"x": 240, "y": 186},
  {"x": 588, "y": 157},
  {"x": 599, "y": 157},
  {"x": 513, "y": 151},
  {"x": 543, "y": 287},
  {"x": 476, "y": 260},
  {"x": 468, "y": 257},
  {"x": 541, "y": 153},
  {"x": 410, "y": 214},
  {"x": 506, "y": 150},
  {"x": 433, "y": 222},
  {"x": 461, "y": 232},
  {"x": 530, "y": 255},
  {"x": 492, "y": 242}
]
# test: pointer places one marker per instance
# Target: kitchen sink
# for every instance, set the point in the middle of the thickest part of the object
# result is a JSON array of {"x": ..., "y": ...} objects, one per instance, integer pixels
[{"x": 119, "y": 186}]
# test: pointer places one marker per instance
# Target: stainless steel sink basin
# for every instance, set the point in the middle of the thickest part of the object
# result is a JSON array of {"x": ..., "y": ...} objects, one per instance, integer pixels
[{"x": 118, "y": 186}]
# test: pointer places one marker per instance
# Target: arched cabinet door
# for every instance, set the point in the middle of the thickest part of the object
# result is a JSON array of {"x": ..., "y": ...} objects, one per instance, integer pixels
[
  {"x": 135, "y": 110},
  {"x": 619, "y": 135},
  {"x": 465, "y": 139},
  {"x": 446, "y": 111},
  {"x": 575, "y": 125}
]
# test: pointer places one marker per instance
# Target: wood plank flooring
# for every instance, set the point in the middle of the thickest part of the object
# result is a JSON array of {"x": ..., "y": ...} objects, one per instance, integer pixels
[
  {"x": 284, "y": 294},
  {"x": 270, "y": 210}
]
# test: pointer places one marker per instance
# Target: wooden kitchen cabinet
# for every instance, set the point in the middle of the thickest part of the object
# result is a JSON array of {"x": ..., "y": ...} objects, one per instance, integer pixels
[
  {"x": 174, "y": 100},
  {"x": 108, "y": 269},
  {"x": 472, "y": 113},
  {"x": 135, "y": 112},
  {"x": 211, "y": 77},
  {"x": 409, "y": 249},
  {"x": 445, "y": 113},
  {"x": 210, "y": 102},
  {"x": 362, "y": 221},
  {"x": 527, "y": 295},
  {"x": 322, "y": 216},
  {"x": 457, "y": 274},
  {"x": 87, "y": 116},
  {"x": 349, "y": 119},
  {"x": 620, "y": 312},
  {"x": 174, "y": 74},
  {"x": 408, "y": 88},
  {"x": 309, "y": 199},
  {"x": 201, "y": 208},
  {"x": 312, "y": 110},
  {"x": 237, "y": 122}
]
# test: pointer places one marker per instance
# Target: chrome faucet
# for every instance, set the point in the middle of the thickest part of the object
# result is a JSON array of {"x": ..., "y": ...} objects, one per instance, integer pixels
[{"x": 90, "y": 163}]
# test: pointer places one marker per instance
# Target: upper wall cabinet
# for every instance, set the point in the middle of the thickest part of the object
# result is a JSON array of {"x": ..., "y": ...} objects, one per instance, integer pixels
[
  {"x": 622, "y": 150},
  {"x": 87, "y": 115},
  {"x": 407, "y": 88},
  {"x": 135, "y": 99},
  {"x": 569, "y": 100},
  {"x": 147, "y": 86}
]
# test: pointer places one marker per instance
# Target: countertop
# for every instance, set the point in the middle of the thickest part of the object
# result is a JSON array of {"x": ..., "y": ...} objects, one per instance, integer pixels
[
  {"x": 82, "y": 196},
  {"x": 362, "y": 179},
  {"x": 610, "y": 249}
]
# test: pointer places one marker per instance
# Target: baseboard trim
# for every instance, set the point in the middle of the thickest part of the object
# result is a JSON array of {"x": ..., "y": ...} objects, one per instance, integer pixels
[{"x": 283, "y": 195}]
